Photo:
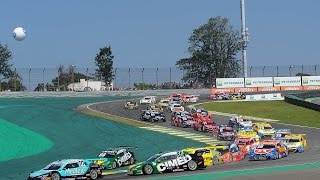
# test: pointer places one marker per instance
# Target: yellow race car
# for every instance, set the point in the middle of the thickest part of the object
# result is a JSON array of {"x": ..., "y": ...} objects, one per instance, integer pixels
[
  {"x": 164, "y": 102},
  {"x": 131, "y": 104},
  {"x": 155, "y": 107},
  {"x": 296, "y": 142},
  {"x": 210, "y": 155},
  {"x": 263, "y": 129}
]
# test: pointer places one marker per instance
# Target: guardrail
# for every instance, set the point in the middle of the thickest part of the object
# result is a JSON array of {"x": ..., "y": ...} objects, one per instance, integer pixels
[{"x": 292, "y": 99}]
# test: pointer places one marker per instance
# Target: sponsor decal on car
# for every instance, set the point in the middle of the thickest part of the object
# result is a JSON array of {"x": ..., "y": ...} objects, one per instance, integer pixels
[{"x": 173, "y": 163}]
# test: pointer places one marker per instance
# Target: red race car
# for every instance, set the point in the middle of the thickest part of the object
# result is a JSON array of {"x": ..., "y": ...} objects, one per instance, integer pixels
[
  {"x": 198, "y": 113},
  {"x": 182, "y": 119},
  {"x": 204, "y": 124},
  {"x": 247, "y": 143}
]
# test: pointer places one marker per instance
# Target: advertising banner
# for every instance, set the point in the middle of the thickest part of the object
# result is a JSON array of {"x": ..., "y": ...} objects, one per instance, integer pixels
[
  {"x": 311, "y": 87},
  {"x": 269, "y": 88},
  {"x": 260, "y": 97},
  {"x": 291, "y": 88},
  {"x": 259, "y": 82},
  {"x": 245, "y": 89},
  {"x": 219, "y": 90},
  {"x": 287, "y": 81},
  {"x": 310, "y": 80},
  {"x": 229, "y": 82}
]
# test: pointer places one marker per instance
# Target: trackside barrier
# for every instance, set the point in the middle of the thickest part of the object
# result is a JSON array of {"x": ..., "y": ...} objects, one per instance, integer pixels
[
  {"x": 262, "y": 89},
  {"x": 292, "y": 99}
]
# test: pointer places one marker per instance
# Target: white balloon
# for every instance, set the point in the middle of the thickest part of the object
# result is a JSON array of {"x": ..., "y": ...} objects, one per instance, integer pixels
[{"x": 19, "y": 34}]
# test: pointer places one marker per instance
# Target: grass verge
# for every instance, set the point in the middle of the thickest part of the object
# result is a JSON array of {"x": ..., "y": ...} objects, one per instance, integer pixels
[{"x": 279, "y": 110}]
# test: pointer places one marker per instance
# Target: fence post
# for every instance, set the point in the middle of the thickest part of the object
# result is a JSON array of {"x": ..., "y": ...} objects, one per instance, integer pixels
[
  {"x": 250, "y": 70},
  {"x": 142, "y": 78},
  {"x": 129, "y": 77},
  {"x": 277, "y": 71},
  {"x": 58, "y": 79},
  {"x": 43, "y": 78},
  {"x": 170, "y": 78},
  {"x": 302, "y": 69},
  {"x": 115, "y": 79},
  {"x": 29, "y": 79},
  {"x": 157, "y": 78},
  {"x": 315, "y": 70},
  {"x": 263, "y": 71},
  {"x": 15, "y": 79}
]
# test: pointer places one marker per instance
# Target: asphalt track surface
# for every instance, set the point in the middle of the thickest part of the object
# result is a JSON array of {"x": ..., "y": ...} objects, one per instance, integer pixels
[{"x": 310, "y": 155}]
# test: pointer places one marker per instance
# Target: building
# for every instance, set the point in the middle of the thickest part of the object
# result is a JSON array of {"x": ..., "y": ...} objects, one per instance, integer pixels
[{"x": 89, "y": 85}]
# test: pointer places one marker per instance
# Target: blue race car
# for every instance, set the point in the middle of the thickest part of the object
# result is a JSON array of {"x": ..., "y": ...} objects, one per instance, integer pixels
[{"x": 67, "y": 168}]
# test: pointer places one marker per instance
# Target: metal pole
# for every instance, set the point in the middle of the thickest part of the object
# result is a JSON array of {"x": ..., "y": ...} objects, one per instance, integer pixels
[
  {"x": 59, "y": 79},
  {"x": 157, "y": 78},
  {"x": 87, "y": 79},
  {"x": 250, "y": 70},
  {"x": 72, "y": 77},
  {"x": 29, "y": 79},
  {"x": 315, "y": 70},
  {"x": 244, "y": 35},
  {"x": 129, "y": 77},
  {"x": 263, "y": 71},
  {"x": 142, "y": 79},
  {"x": 115, "y": 78},
  {"x": 43, "y": 77},
  {"x": 302, "y": 69},
  {"x": 170, "y": 77},
  {"x": 277, "y": 71},
  {"x": 15, "y": 79}
]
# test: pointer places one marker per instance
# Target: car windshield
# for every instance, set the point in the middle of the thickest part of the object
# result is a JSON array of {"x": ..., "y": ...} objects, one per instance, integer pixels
[
  {"x": 53, "y": 166},
  {"x": 246, "y": 128},
  {"x": 208, "y": 123},
  {"x": 266, "y": 146},
  {"x": 107, "y": 154},
  {"x": 176, "y": 105},
  {"x": 154, "y": 157},
  {"x": 293, "y": 140},
  {"x": 146, "y": 98},
  {"x": 267, "y": 127},
  {"x": 243, "y": 142},
  {"x": 227, "y": 130}
]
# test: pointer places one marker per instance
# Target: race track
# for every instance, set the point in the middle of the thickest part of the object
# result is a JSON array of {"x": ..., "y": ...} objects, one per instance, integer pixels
[{"x": 309, "y": 156}]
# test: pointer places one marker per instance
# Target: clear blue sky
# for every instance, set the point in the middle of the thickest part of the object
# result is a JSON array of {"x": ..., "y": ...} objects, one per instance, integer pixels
[{"x": 154, "y": 33}]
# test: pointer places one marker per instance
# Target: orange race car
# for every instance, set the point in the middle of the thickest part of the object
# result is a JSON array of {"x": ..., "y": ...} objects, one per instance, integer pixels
[{"x": 231, "y": 152}]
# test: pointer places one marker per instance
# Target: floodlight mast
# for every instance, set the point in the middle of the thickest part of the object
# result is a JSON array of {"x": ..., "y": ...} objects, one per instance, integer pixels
[{"x": 244, "y": 35}]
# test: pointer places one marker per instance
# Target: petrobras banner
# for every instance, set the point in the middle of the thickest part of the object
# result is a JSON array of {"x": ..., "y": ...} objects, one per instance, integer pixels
[
  {"x": 259, "y": 82},
  {"x": 310, "y": 80},
  {"x": 260, "y": 97},
  {"x": 229, "y": 82},
  {"x": 287, "y": 81}
]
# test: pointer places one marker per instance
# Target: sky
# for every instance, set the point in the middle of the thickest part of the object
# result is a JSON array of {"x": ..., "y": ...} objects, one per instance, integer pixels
[{"x": 154, "y": 33}]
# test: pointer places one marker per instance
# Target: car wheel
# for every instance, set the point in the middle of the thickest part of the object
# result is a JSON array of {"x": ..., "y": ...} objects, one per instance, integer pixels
[
  {"x": 148, "y": 169},
  {"x": 192, "y": 165},
  {"x": 114, "y": 165},
  {"x": 93, "y": 174},
  {"x": 55, "y": 176},
  {"x": 131, "y": 160},
  {"x": 215, "y": 160},
  {"x": 230, "y": 158}
]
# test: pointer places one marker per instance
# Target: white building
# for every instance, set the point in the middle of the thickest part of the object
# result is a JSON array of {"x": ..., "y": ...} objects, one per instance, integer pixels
[{"x": 90, "y": 85}]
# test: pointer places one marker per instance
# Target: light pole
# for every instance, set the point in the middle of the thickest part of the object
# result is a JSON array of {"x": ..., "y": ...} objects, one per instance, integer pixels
[
  {"x": 29, "y": 79},
  {"x": 43, "y": 77},
  {"x": 115, "y": 79},
  {"x": 263, "y": 71},
  {"x": 244, "y": 36}
]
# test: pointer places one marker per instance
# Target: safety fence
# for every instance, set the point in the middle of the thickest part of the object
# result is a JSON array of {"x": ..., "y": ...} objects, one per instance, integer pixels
[
  {"x": 158, "y": 78},
  {"x": 294, "y": 99}
]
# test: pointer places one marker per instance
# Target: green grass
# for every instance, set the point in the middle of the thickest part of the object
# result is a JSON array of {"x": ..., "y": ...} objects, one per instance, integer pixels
[{"x": 279, "y": 110}]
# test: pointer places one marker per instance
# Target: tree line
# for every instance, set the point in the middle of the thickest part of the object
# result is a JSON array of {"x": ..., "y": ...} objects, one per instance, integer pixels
[{"x": 213, "y": 49}]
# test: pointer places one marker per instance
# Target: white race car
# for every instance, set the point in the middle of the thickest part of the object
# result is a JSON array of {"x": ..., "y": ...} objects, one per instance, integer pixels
[{"x": 148, "y": 100}]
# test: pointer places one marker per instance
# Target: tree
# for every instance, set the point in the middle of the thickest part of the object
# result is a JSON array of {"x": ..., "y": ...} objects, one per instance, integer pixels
[
  {"x": 104, "y": 61},
  {"x": 213, "y": 49},
  {"x": 64, "y": 78},
  {"x": 13, "y": 80}
]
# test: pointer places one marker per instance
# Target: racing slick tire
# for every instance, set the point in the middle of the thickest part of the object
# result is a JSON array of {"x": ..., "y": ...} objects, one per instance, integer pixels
[
  {"x": 215, "y": 160},
  {"x": 131, "y": 160},
  {"x": 147, "y": 169},
  {"x": 93, "y": 174},
  {"x": 114, "y": 165},
  {"x": 55, "y": 176},
  {"x": 192, "y": 165}
]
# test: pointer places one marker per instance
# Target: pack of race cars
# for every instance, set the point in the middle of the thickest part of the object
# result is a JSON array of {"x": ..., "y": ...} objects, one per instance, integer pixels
[{"x": 240, "y": 137}]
